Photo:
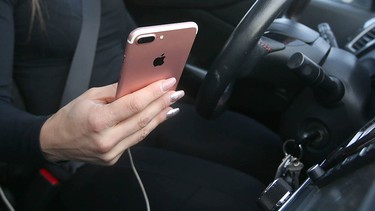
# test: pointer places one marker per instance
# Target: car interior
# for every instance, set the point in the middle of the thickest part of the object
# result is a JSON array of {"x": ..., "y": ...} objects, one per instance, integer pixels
[{"x": 303, "y": 68}]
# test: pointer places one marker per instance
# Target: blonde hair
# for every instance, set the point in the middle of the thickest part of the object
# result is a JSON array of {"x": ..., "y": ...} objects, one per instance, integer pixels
[{"x": 36, "y": 13}]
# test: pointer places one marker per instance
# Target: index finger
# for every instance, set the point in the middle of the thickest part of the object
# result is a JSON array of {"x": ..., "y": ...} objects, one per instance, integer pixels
[{"x": 135, "y": 102}]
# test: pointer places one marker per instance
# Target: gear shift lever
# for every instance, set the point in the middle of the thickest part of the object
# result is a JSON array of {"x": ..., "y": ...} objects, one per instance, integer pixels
[{"x": 327, "y": 90}]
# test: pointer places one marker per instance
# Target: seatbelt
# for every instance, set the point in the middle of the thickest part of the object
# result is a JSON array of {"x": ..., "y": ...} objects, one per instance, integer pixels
[
  {"x": 78, "y": 81},
  {"x": 79, "y": 76}
]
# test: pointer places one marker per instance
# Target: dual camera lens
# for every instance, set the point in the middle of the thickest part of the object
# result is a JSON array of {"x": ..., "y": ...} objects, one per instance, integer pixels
[{"x": 145, "y": 39}]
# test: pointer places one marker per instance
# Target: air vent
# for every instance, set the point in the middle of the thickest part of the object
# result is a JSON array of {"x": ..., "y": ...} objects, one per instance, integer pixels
[{"x": 364, "y": 41}]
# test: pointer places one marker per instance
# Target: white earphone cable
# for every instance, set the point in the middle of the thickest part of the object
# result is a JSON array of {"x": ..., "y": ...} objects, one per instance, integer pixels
[
  {"x": 5, "y": 199},
  {"x": 139, "y": 180}
]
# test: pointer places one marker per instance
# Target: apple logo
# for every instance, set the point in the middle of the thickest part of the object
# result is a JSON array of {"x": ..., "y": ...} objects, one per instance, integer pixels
[{"x": 159, "y": 60}]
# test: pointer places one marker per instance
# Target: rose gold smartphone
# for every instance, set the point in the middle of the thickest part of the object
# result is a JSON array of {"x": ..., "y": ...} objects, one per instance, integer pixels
[{"x": 153, "y": 53}]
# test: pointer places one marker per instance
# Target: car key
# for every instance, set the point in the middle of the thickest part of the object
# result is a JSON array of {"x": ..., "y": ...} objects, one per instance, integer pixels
[
  {"x": 293, "y": 171},
  {"x": 290, "y": 167},
  {"x": 282, "y": 169}
]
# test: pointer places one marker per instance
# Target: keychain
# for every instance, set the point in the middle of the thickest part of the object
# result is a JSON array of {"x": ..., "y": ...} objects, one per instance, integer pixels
[
  {"x": 291, "y": 166},
  {"x": 286, "y": 179}
]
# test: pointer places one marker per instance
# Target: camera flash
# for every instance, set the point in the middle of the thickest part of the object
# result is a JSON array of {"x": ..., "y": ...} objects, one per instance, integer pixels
[{"x": 161, "y": 37}]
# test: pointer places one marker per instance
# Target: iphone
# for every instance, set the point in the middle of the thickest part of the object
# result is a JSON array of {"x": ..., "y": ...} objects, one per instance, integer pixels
[{"x": 153, "y": 53}]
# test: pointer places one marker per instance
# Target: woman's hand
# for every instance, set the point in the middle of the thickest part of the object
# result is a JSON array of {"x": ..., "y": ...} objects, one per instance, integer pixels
[{"x": 96, "y": 128}]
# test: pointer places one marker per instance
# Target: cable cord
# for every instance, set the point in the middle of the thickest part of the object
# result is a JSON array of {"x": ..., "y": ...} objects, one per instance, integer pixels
[
  {"x": 5, "y": 199},
  {"x": 139, "y": 180}
]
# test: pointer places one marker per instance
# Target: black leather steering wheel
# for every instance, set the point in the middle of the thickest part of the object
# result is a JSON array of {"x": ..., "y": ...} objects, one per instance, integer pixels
[{"x": 215, "y": 89}]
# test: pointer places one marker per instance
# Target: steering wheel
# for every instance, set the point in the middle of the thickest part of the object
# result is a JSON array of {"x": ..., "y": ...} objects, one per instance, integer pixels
[{"x": 216, "y": 87}]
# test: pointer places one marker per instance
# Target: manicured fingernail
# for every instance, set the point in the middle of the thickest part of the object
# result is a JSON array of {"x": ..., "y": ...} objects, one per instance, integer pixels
[
  {"x": 172, "y": 113},
  {"x": 167, "y": 84},
  {"x": 177, "y": 95}
]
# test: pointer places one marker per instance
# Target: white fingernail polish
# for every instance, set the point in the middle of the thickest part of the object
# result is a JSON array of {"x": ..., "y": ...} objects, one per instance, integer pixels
[
  {"x": 167, "y": 84},
  {"x": 172, "y": 112},
  {"x": 177, "y": 95}
]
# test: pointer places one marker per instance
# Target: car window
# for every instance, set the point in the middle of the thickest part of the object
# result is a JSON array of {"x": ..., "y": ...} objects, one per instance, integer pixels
[{"x": 363, "y": 4}]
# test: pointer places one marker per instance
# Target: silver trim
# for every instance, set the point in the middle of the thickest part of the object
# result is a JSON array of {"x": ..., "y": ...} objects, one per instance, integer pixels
[
  {"x": 350, "y": 45},
  {"x": 294, "y": 195}
]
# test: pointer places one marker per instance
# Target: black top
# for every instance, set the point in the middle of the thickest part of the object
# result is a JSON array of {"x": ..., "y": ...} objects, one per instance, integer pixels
[{"x": 38, "y": 60}]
